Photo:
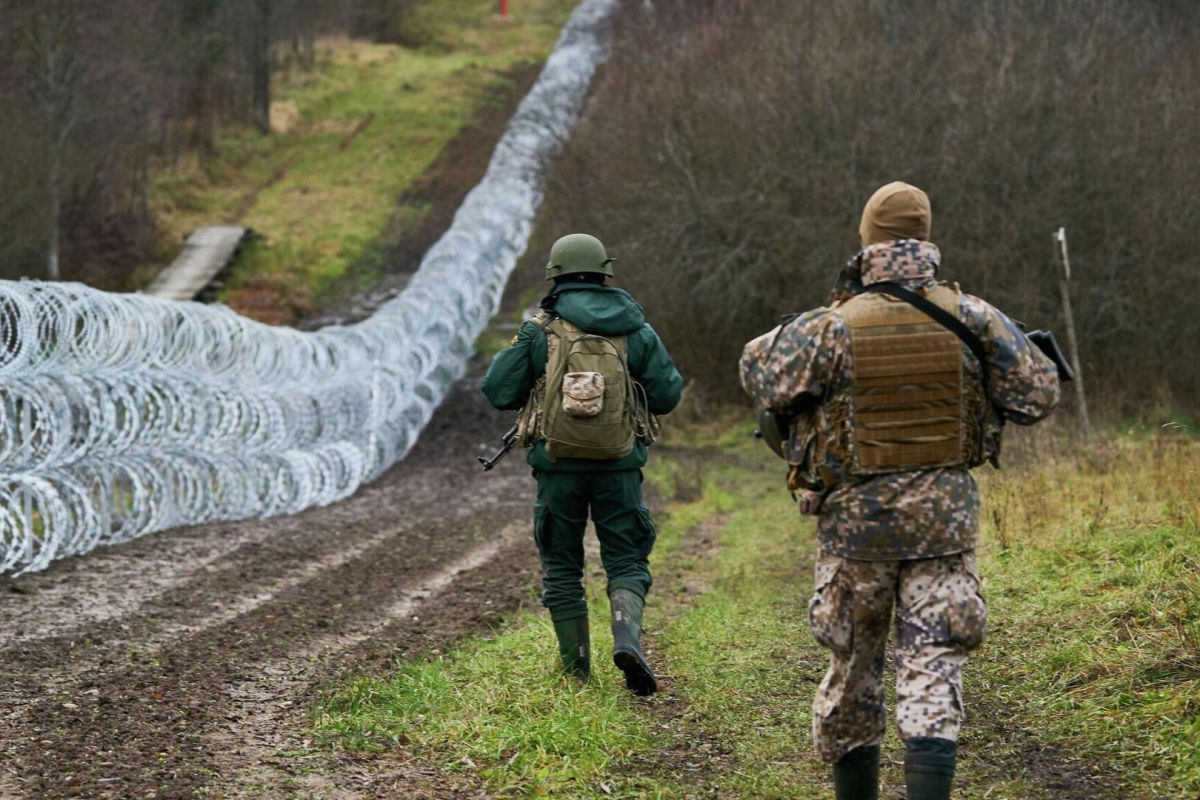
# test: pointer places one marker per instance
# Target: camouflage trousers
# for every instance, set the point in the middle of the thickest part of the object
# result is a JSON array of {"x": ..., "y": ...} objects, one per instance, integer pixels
[{"x": 939, "y": 617}]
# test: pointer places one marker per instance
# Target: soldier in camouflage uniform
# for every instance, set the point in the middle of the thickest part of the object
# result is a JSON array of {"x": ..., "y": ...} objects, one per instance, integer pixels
[{"x": 888, "y": 410}]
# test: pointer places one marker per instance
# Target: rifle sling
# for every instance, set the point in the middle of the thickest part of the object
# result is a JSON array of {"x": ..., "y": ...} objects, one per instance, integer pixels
[{"x": 943, "y": 318}]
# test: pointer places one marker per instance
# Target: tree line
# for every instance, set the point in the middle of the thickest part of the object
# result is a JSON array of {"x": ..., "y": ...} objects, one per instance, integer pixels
[
  {"x": 749, "y": 135},
  {"x": 97, "y": 95}
]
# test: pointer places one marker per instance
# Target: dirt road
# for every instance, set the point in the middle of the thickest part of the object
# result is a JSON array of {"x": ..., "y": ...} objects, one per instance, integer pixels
[{"x": 179, "y": 664}]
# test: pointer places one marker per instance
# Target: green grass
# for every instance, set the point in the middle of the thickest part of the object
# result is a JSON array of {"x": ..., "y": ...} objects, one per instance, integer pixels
[
  {"x": 320, "y": 206},
  {"x": 1093, "y": 577},
  {"x": 1090, "y": 557},
  {"x": 495, "y": 707},
  {"x": 745, "y": 669},
  {"x": 498, "y": 709}
]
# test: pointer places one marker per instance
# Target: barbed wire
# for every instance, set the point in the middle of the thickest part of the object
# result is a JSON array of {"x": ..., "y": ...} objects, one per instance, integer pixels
[{"x": 125, "y": 414}]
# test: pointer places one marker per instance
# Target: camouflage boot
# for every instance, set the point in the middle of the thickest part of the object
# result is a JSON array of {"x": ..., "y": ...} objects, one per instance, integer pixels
[
  {"x": 574, "y": 646},
  {"x": 929, "y": 768},
  {"x": 627, "y": 653},
  {"x": 856, "y": 776}
]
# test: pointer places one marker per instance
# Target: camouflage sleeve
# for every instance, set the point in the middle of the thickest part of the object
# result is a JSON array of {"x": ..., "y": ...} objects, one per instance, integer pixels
[
  {"x": 1024, "y": 382},
  {"x": 793, "y": 362}
]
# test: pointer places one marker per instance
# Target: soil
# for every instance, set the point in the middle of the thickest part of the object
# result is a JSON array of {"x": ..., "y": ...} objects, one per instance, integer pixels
[{"x": 181, "y": 663}]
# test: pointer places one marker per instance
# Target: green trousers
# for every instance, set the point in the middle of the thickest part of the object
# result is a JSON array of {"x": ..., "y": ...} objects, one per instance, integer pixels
[{"x": 623, "y": 526}]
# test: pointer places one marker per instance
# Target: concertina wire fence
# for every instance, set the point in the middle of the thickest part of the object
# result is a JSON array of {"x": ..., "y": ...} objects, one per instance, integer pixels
[{"x": 121, "y": 415}]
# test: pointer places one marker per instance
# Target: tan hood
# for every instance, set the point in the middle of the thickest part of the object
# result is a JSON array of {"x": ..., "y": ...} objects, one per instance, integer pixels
[{"x": 896, "y": 211}]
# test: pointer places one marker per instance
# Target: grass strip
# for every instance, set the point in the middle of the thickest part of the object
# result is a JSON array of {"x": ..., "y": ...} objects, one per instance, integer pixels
[
  {"x": 745, "y": 667},
  {"x": 348, "y": 137},
  {"x": 1087, "y": 686},
  {"x": 498, "y": 710}
]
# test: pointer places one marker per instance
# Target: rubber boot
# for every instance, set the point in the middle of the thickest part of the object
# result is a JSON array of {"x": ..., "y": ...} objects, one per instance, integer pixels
[
  {"x": 574, "y": 646},
  {"x": 929, "y": 768},
  {"x": 627, "y": 653},
  {"x": 856, "y": 775}
]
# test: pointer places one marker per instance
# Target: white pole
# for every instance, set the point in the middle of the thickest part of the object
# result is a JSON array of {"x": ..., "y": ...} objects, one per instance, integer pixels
[{"x": 1064, "y": 280}]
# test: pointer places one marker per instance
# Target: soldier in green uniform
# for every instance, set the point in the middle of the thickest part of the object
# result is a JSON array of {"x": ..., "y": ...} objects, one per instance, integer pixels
[
  {"x": 890, "y": 406},
  {"x": 589, "y": 373}
]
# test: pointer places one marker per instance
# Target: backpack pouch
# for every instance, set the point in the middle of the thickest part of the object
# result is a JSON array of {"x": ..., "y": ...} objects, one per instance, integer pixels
[{"x": 583, "y": 393}]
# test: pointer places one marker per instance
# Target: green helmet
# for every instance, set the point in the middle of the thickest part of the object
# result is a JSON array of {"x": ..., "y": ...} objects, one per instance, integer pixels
[{"x": 578, "y": 252}]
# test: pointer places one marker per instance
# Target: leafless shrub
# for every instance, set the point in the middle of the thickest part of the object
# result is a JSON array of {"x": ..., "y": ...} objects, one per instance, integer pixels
[{"x": 730, "y": 145}]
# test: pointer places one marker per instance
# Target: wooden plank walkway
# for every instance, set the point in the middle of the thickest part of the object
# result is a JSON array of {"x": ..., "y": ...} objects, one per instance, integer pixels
[{"x": 205, "y": 254}]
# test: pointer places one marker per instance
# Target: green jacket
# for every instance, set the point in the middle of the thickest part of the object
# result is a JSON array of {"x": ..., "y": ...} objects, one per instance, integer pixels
[{"x": 602, "y": 310}]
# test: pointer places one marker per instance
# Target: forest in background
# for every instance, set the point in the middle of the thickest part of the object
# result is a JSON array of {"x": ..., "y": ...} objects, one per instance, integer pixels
[
  {"x": 730, "y": 145},
  {"x": 99, "y": 95}
]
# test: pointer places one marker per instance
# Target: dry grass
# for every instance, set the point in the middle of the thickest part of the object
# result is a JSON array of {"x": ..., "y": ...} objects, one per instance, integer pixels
[
  {"x": 1088, "y": 686},
  {"x": 1092, "y": 558}
]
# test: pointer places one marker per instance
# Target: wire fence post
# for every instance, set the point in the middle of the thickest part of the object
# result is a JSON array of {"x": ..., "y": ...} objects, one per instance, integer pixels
[{"x": 1064, "y": 288}]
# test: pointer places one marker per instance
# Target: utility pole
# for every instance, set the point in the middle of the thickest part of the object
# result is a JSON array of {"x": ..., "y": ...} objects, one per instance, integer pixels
[{"x": 1064, "y": 280}]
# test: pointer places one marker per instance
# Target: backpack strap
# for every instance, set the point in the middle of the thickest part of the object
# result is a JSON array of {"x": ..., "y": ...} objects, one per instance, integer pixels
[
  {"x": 543, "y": 319},
  {"x": 943, "y": 318},
  {"x": 530, "y": 416}
]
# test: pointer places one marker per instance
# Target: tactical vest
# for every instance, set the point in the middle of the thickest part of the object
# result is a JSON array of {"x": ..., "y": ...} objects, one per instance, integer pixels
[{"x": 911, "y": 404}]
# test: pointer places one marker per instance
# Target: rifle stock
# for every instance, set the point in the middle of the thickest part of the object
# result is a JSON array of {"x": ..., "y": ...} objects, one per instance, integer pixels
[{"x": 509, "y": 439}]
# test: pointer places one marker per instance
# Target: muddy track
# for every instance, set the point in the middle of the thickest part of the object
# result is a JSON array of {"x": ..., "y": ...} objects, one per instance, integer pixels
[{"x": 148, "y": 683}]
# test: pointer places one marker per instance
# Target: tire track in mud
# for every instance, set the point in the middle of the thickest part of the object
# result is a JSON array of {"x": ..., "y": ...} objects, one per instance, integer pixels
[
  {"x": 151, "y": 701},
  {"x": 264, "y": 702},
  {"x": 91, "y": 590}
]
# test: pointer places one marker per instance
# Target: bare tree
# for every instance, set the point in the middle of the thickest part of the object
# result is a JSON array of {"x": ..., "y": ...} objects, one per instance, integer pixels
[
  {"x": 750, "y": 134},
  {"x": 52, "y": 34},
  {"x": 260, "y": 65}
]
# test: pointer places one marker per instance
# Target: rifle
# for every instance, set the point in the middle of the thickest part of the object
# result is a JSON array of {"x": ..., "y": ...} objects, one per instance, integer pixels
[
  {"x": 773, "y": 429},
  {"x": 1045, "y": 341},
  {"x": 509, "y": 440}
]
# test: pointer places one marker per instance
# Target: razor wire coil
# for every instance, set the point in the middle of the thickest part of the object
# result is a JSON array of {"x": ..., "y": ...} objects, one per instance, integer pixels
[{"x": 121, "y": 414}]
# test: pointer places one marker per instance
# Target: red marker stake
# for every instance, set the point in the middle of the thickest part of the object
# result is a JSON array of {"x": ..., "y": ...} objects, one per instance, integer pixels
[{"x": 503, "y": 9}]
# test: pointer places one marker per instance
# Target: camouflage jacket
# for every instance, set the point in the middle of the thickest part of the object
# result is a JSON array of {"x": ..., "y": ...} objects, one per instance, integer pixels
[{"x": 805, "y": 367}]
